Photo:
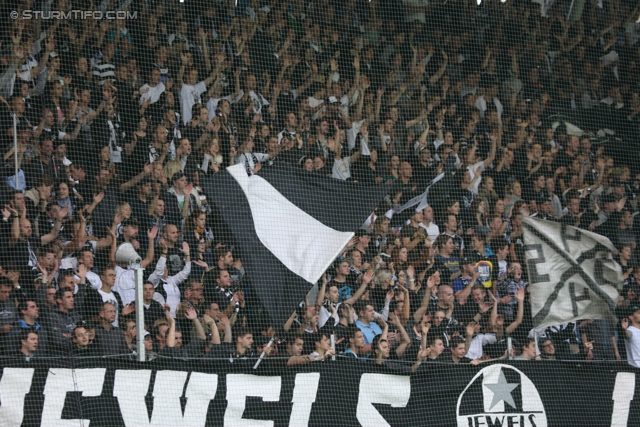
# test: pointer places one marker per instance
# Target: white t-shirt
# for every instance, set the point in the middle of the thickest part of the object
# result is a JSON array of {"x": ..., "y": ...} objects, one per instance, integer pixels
[
  {"x": 481, "y": 104},
  {"x": 313, "y": 102},
  {"x": 153, "y": 93},
  {"x": 173, "y": 296},
  {"x": 125, "y": 284},
  {"x": 212, "y": 103},
  {"x": 433, "y": 231},
  {"x": 633, "y": 347},
  {"x": 479, "y": 341},
  {"x": 342, "y": 168},
  {"x": 324, "y": 315},
  {"x": 94, "y": 280},
  {"x": 189, "y": 96},
  {"x": 472, "y": 172},
  {"x": 352, "y": 133}
]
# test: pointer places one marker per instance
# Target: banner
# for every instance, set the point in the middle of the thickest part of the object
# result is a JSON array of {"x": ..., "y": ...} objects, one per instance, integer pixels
[
  {"x": 572, "y": 273},
  {"x": 101, "y": 393}
]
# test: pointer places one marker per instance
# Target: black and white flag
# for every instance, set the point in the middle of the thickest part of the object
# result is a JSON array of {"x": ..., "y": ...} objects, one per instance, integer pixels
[
  {"x": 288, "y": 225},
  {"x": 402, "y": 214},
  {"x": 572, "y": 273}
]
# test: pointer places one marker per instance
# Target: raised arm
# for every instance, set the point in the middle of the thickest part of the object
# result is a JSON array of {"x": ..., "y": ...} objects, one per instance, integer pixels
[
  {"x": 171, "y": 333},
  {"x": 494, "y": 147},
  {"x": 417, "y": 316},
  {"x": 53, "y": 235},
  {"x": 215, "y": 334},
  {"x": 406, "y": 340},
  {"x": 114, "y": 246},
  {"x": 321, "y": 291},
  {"x": 192, "y": 314},
  {"x": 514, "y": 325},
  {"x": 366, "y": 279},
  {"x": 151, "y": 234},
  {"x": 434, "y": 79},
  {"x": 470, "y": 331},
  {"x": 464, "y": 294}
]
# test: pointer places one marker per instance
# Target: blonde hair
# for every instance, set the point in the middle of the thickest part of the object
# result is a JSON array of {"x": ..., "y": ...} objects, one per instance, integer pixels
[
  {"x": 122, "y": 205},
  {"x": 381, "y": 277},
  {"x": 171, "y": 168}
]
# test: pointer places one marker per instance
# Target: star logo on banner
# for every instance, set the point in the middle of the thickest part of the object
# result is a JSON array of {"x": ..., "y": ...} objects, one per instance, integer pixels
[{"x": 502, "y": 391}]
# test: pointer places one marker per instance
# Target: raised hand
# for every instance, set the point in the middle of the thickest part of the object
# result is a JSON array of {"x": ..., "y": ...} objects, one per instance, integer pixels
[
  {"x": 98, "y": 197},
  {"x": 190, "y": 313},
  {"x": 624, "y": 323},
  {"x": 151, "y": 234},
  {"x": 471, "y": 328},
  {"x": 382, "y": 323},
  {"x": 368, "y": 277},
  {"x": 82, "y": 271},
  {"x": 393, "y": 318},
  {"x": 423, "y": 354},
  {"x": 208, "y": 320},
  {"x": 485, "y": 306},
  {"x": 390, "y": 295},
  {"x": 128, "y": 309}
]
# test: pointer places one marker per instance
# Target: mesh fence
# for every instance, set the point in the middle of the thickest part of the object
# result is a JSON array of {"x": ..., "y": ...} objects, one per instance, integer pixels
[{"x": 314, "y": 212}]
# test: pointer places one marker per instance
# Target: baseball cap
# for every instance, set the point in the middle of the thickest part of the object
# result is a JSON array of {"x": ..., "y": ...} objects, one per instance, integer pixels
[
  {"x": 133, "y": 222},
  {"x": 468, "y": 260},
  {"x": 632, "y": 309}
]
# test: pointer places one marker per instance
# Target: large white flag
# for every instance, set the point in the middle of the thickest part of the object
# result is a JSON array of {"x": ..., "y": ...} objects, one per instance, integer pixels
[{"x": 572, "y": 273}]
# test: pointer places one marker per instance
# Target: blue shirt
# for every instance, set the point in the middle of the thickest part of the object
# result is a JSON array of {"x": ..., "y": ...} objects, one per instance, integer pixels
[
  {"x": 460, "y": 283},
  {"x": 370, "y": 331}
]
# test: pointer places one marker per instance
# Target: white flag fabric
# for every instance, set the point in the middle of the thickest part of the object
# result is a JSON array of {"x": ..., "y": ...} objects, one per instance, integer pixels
[{"x": 572, "y": 273}]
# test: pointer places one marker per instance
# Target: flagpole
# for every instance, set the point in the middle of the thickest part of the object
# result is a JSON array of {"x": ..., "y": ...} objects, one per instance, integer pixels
[
  {"x": 15, "y": 148},
  {"x": 333, "y": 346},
  {"x": 264, "y": 352}
]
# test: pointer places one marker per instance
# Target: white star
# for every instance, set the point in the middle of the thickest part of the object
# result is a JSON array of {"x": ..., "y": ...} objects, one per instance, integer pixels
[{"x": 502, "y": 391}]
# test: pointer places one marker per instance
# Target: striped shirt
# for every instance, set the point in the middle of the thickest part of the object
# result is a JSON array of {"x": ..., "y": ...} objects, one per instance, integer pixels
[{"x": 103, "y": 70}]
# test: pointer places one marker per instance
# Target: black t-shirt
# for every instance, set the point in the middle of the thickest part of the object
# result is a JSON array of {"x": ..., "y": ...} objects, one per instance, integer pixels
[
  {"x": 411, "y": 232},
  {"x": 139, "y": 209},
  {"x": 464, "y": 361},
  {"x": 563, "y": 159},
  {"x": 175, "y": 262}
]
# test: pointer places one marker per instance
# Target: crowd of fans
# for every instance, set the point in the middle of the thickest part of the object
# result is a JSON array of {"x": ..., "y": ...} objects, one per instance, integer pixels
[{"x": 119, "y": 122}]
